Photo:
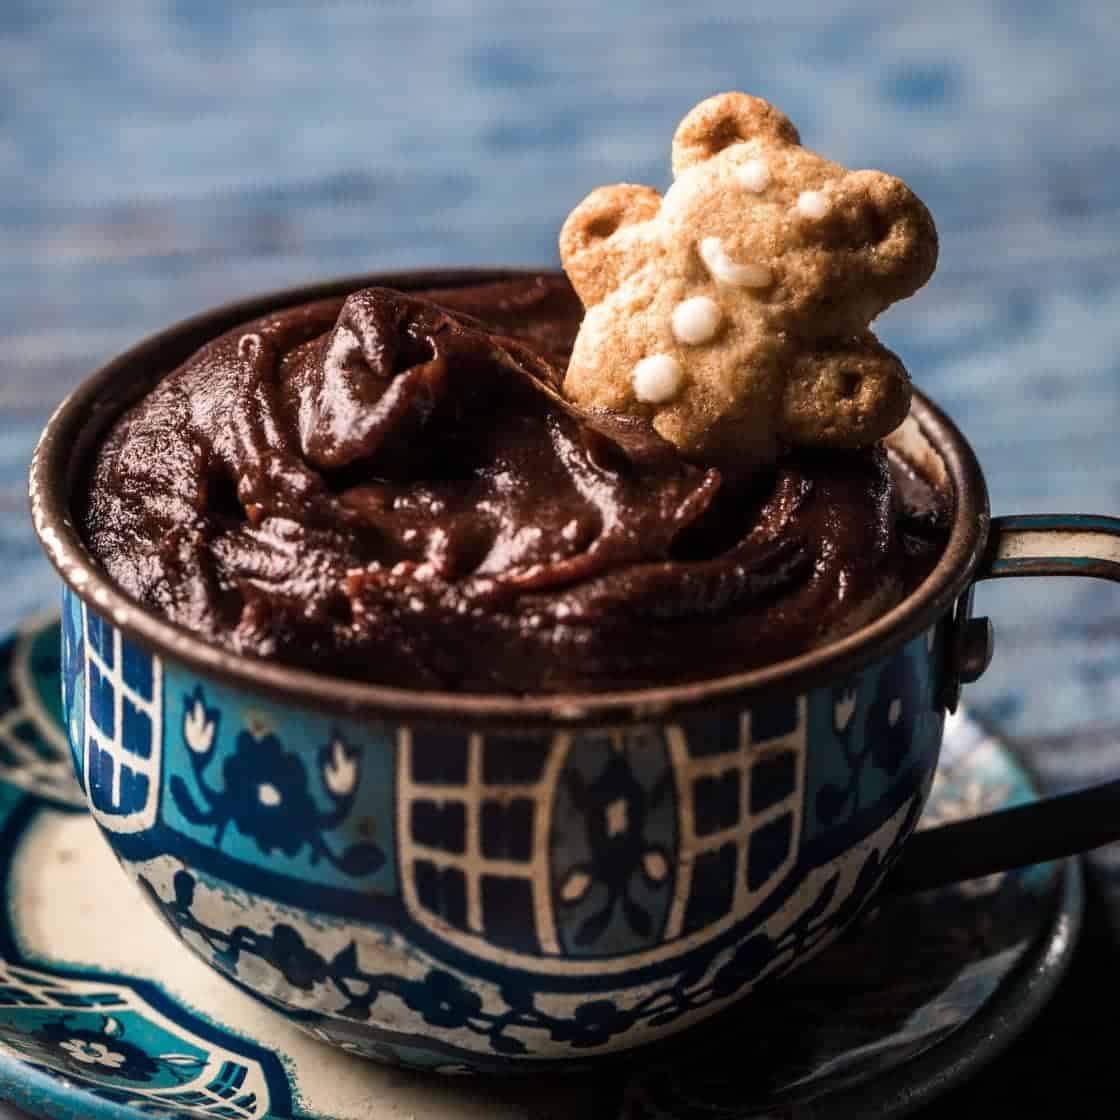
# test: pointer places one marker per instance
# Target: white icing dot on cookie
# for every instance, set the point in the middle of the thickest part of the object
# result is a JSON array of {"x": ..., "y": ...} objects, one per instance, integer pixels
[
  {"x": 658, "y": 379},
  {"x": 754, "y": 175},
  {"x": 813, "y": 204},
  {"x": 695, "y": 320},
  {"x": 743, "y": 274}
]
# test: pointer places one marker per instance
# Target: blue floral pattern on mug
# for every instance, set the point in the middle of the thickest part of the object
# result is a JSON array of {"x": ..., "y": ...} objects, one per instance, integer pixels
[
  {"x": 450, "y": 898},
  {"x": 136, "y": 1038},
  {"x": 616, "y": 834},
  {"x": 265, "y": 793}
]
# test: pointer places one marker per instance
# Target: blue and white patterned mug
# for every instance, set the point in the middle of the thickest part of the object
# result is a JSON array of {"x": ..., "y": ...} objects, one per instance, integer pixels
[{"x": 493, "y": 883}]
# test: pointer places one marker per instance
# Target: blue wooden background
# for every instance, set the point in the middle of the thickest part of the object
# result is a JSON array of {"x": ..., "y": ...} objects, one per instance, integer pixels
[{"x": 157, "y": 158}]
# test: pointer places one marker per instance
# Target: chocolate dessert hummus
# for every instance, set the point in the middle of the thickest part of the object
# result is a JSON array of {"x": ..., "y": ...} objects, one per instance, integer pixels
[{"x": 391, "y": 488}]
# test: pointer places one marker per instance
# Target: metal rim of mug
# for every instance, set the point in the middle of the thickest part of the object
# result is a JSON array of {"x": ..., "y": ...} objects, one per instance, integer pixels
[{"x": 80, "y": 421}]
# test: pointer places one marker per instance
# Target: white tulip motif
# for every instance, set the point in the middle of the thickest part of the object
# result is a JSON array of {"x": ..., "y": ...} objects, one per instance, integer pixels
[
  {"x": 844, "y": 709},
  {"x": 198, "y": 727},
  {"x": 340, "y": 769}
]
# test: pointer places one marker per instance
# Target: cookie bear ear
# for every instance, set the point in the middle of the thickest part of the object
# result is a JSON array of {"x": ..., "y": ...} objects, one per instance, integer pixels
[
  {"x": 847, "y": 394},
  {"x": 726, "y": 119},
  {"x": 602, "y": 242}
]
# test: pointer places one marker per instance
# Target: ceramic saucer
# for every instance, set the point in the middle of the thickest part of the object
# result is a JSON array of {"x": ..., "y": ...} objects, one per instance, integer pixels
[{"x": 103, "y": 1014}]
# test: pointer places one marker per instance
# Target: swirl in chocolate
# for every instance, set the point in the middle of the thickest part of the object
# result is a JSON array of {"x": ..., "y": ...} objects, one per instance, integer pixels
[{"x": 391, "y": 488}]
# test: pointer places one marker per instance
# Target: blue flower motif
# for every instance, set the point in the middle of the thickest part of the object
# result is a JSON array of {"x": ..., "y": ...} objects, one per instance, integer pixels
[
  {"x": 878, "y": 734},
  {"x": 893, "y": 717},
  {"x": 443, "y": 1000},
  {"x": 300, "y": 965},
  {"x": 267, "y": 795},
  {"x": 266, "y": 788},
  {"x": 592, "y": 1024},
  {"x": 615, "y": 807}
]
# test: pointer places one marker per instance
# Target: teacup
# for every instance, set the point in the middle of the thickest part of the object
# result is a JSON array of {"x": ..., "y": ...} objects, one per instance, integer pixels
[{"x": 501, "y": 883}]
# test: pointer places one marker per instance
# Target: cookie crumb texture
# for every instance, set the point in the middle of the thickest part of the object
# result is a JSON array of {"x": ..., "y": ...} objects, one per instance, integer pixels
[{"x": 796, "y": 254}]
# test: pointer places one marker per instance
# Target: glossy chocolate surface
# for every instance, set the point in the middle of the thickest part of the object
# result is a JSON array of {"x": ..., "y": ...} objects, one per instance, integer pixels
[{"x": 389, "y": 488}]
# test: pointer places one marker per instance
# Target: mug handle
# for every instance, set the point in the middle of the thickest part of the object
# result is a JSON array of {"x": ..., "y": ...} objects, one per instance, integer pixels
[{"x": 1054, "y": 827}]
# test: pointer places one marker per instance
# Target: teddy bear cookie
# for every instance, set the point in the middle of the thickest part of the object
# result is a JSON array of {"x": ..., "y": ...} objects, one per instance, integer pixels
[{"x": 733, "y": 313}]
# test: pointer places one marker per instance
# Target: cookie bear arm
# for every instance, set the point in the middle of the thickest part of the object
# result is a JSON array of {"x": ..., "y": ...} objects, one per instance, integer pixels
[
  {"x": 848, "y": 393},
  {"x": 901, "y": 236},
  {"x": 607, "y": 237}
]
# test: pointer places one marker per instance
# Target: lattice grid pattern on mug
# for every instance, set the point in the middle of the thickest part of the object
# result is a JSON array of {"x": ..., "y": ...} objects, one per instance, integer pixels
[
  {"x": 123, "y": 720},
  {"x": 473, "y": 824},
  {"x": 741, "y": 781}
]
